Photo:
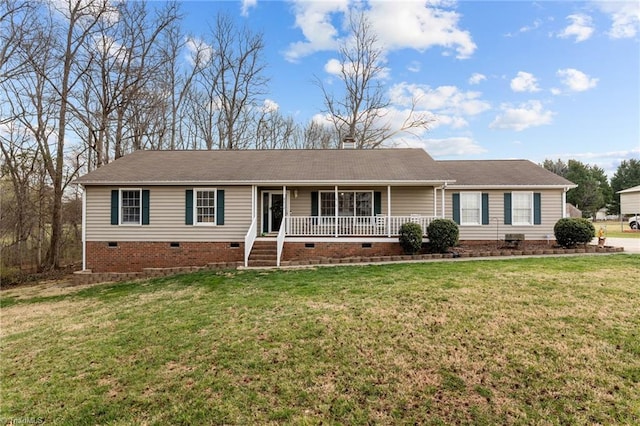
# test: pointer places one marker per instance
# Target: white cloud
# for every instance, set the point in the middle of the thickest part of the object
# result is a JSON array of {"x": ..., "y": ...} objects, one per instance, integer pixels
[
  {"x": 576, "y": 81},
  {"x": 246, "y": 5},
  {"x": 314, "y": 19},
  {"x": 461, "y": 146},
  {"x": 455, "y": 146},
  {"x": 269, "y": 106},
  {"x": 443, "y": 99},
  {"x": 334, "y": 67},
  {"x": 518, "y": 118},
  {"x": 625, "y": 17},
  {"x": 524, "y": 82},
  {"x": 476, "y": 78},
  {"x": 423, "y": 26},
  {"x": 198, "y": 51},
  {"x": 581, "y": 27}
]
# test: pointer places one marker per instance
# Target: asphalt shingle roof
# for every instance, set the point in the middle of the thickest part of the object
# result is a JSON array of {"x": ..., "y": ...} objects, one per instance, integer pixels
[
  {"x": 270, "y": 166},
  {"x": 502, "y": 173}
]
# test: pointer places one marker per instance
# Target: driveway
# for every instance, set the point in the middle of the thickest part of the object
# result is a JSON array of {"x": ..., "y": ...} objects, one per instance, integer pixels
[{"x": 630, "y": 245}]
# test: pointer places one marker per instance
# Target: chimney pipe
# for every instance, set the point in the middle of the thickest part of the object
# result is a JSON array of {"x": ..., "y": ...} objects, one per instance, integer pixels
[{"x": 349, "y": 142}]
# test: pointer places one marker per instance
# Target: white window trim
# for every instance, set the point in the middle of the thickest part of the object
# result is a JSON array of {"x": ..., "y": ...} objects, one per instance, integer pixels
[
  {"x": 478, "y": 196},
  {"x": 354, "y": 206},
  {"x": 121, "y": 206},
  {"x": 513, "y": 221},
  {"x": 195, "y": 206}
]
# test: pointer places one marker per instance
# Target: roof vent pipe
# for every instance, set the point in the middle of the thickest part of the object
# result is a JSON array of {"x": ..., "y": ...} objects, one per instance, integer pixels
[{"x": 349, "y": 142}]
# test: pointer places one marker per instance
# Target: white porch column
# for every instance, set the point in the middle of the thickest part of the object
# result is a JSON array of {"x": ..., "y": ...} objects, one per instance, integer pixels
[
  {"x": 443, "y": 191},
  {"x": 253, "y": 201},
  {"x": 284, "y": 207},
  {"x": 388, "y": 210},
  {"x": 435, "y": 201},
  {"x": 336, "y": 209}
]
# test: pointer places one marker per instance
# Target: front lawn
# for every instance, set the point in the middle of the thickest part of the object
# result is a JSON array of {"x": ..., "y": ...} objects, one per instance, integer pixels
[{"x": 520, "y": 341}]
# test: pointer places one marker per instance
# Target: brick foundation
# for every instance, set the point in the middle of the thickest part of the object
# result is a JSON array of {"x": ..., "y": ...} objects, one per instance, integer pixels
[
  {"x": 338, "y": 250},
  {"x": 128, "y": 256}
]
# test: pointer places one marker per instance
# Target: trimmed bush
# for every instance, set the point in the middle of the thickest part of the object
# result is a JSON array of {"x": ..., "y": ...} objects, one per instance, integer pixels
[
  {"x": 443, "y": 234},
  {"x": 570, "y": 232},
  {"x": 411, "y": 237}
]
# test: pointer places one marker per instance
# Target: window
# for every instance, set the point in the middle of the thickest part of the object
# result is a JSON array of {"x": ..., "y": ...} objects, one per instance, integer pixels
[
  {"x": 350, "y": 203},
  {"x": 205, "y": 210},
  {"x": 131, "y": 207},
  {"x": 327, "y": 204},
  {"x": 521, "y": 210},
  {"x": 470, "y": 208}
]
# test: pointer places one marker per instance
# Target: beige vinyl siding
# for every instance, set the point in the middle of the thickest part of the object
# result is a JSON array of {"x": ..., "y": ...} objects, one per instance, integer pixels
[
  {"x": 405, "y": 201},
  {"x": 409, "y": 200},
  {"x": 167, "y": 217},
  {"x": 551, "y": 211}
]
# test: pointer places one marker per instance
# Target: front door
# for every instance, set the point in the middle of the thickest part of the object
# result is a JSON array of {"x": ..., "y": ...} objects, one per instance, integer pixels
[
  {"x": 276, "y": 215},
  {"x": 272, "y": 211}
]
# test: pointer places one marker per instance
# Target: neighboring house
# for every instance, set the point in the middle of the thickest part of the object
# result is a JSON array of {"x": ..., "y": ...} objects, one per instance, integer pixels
[
  {"x": 190, "y": 208},
  {"x": 630, "y": 200},
  {"x": 573, "y": 211}
]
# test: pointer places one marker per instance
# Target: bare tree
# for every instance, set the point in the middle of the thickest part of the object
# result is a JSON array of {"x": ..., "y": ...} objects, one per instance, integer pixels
[
  {"x": 275, "y": 131},
  {"x": 179, "y": 77},
  {"x": 319, "y": 136},
  {"x": 361, "y": 112},
  {"x": 72, "y": 25},
  {"x": 238, "y": 81}
]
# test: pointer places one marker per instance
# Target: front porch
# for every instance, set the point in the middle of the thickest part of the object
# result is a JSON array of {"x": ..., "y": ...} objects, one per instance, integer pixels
[
  {"x": 351, "y": 226},
  {"x": 344, "y": 218}
]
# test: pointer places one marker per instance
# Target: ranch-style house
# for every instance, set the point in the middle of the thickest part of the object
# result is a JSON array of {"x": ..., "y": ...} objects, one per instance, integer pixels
[{"x": 159, "y": 209}]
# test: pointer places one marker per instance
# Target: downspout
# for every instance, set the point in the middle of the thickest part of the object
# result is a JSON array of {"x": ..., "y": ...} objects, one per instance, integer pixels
[
  {"x": 564, "y": 202},
  {"x": 444, "y": 186},
  {"x": 84, "y": 227}
]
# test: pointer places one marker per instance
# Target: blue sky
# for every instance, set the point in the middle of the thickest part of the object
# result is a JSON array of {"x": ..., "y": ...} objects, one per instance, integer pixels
[{"x": 516, "y": 79}]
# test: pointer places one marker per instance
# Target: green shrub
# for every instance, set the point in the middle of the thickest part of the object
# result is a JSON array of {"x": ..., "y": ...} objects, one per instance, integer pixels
[
  {"x": 443, "y": 234},
  {"x": 411, "y": 237},
  {"x": 570, "y": 232}
]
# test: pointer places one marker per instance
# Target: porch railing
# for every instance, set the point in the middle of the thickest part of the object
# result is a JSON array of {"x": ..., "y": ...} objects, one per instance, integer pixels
[
  {"x": 249, "y": 239},
  {"x": 280, "y": 244},
  {"x": 351, "y": 225}
]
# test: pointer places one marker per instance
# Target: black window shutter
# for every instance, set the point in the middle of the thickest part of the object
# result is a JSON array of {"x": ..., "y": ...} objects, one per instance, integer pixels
[
  {"x": 455, "y": 205},
  {"x": 485, "y": 208},
  {"x": 115, "y": 199},
  {"x": 145, "y": 206},
  {"x": 377, "y": 203},
  {"x": 507, "y": 208},
  {"x": 314, "y": 203},
  {"x": 220, "y": 207},
  {"x": 537, "y": 208},
  {"x": 188, "y": 211}
]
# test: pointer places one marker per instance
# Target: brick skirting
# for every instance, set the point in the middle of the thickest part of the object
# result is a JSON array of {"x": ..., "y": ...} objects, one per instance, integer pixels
[
  {"x": 129, "y": 256},
  {"x": 338, "y": 250}
]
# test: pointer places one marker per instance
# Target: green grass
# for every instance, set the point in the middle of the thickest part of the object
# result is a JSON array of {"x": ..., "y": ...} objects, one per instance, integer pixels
[{"x": 523, "y": 341}]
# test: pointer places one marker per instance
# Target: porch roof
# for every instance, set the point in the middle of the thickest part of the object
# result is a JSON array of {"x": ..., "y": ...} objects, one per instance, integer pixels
[{"x": 291, "y": 167}]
